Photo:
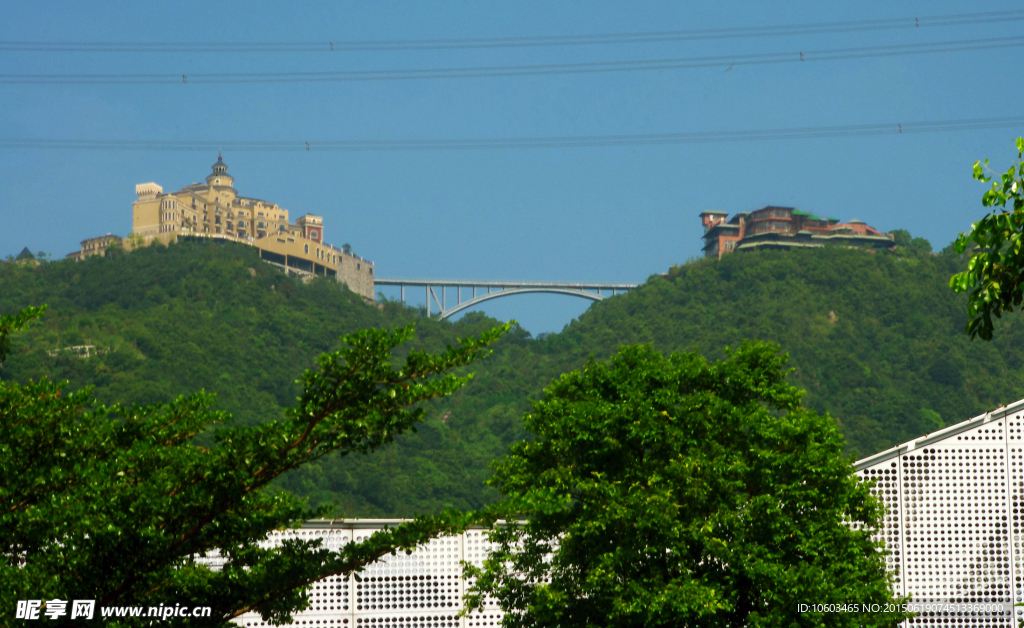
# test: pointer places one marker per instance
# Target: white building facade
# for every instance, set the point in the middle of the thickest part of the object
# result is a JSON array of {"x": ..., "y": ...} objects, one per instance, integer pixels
[
  {"x": 423, "y": 589},
  {"x": 953, "y": 526}
]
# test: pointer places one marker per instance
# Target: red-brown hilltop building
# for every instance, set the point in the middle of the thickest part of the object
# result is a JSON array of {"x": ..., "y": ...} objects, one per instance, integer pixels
[{"x": 781, "y": 228}]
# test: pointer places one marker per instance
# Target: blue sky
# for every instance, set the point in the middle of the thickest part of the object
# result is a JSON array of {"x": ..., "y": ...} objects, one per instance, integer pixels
[{"x": 616, "y": 214}]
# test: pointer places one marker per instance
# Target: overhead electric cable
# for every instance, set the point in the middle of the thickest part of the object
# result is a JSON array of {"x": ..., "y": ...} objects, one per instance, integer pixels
[
  {"x": 523, "y": 70},
  {"x": 961, "y": 19},
  {"x": 702, "y": 137}
]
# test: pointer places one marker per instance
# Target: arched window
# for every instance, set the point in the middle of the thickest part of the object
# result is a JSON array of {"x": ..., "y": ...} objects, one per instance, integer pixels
[{"x": 307, "y": 248}]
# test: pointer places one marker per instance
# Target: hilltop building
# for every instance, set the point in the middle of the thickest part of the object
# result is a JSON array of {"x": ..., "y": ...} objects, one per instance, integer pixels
[
  {"x": 25, "y": 258},
  {"x": 782, "y": 228},
  {"x": 96, "y": 246},
  {"x": 215, "y": 210}
]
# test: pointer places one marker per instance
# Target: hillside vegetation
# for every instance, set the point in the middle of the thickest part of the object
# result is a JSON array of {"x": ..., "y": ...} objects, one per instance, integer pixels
[
  {"x": 167, "y": 321},
  {"x": 876, "y": 340}
]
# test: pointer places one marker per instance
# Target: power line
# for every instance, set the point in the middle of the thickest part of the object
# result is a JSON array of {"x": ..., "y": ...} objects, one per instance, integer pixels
[
  {"x": 519, "y": 42},
  {"x": 523, "y": 70},
  {"x": 581, "y": 141}
]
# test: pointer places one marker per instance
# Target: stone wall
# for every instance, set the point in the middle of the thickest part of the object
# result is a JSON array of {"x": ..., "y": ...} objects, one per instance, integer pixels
[{"x": 357, "y": 274}]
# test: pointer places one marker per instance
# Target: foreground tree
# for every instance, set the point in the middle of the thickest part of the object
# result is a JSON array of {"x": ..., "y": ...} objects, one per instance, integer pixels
[
  {"x": 116, "y": 504},
  {"x": 673, "y": 492},
  {"x": 994, "y": 279}
]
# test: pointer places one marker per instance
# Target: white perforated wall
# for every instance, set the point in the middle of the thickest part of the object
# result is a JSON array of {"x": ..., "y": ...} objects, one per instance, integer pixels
[
  {"x": 478, "y": 546},
  {"x": 330, "y": 600},
  {"x": 419, "y": 590},
  {"x": 951, "y": 525}
]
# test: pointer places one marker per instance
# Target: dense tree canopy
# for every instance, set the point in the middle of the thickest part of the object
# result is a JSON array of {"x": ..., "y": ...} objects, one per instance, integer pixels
[
  {"x": 902, "y": 238},
  {"x": 117, "y": 504},
  {"x": 676, "y": 492},
  {"x": 994, "y": 278}
]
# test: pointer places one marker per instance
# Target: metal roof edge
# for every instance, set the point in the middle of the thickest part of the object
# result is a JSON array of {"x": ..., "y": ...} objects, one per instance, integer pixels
[{"x": 933, "y": 437}]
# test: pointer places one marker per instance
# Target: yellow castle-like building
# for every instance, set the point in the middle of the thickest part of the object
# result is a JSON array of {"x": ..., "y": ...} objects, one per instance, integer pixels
[{"x": 215, "y": 210}]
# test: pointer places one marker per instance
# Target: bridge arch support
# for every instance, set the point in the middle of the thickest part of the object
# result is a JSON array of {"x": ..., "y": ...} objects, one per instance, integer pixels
[
  {"x": 436, "y": 290},
  {"x": 465, "y": 305}
]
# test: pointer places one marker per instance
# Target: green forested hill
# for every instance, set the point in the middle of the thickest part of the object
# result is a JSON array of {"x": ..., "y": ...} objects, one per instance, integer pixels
[
  {"x": 189, "y": 317},
  {"x": 876, "y": 340}
]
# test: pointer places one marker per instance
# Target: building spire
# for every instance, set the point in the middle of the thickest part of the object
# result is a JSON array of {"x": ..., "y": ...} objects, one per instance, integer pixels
[{"x": 220, "y": 174}]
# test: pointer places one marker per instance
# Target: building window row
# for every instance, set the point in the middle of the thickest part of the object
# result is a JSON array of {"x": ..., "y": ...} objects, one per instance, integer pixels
[{"x": 769, "y": 226}]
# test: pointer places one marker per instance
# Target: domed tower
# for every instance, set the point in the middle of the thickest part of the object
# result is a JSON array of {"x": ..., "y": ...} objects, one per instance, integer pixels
[{"x": 220, "y": 176}]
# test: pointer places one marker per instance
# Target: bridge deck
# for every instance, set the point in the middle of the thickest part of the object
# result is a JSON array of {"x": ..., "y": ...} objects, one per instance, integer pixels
[{"x": 464, "y": 283}]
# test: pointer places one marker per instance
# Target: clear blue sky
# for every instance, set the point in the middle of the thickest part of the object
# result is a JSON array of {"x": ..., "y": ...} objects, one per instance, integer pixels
[{"x": 596, "y": 214}]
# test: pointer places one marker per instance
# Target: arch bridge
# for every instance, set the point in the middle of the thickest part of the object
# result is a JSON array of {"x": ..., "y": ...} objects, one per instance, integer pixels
[{"x": 486, "y": 290}]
